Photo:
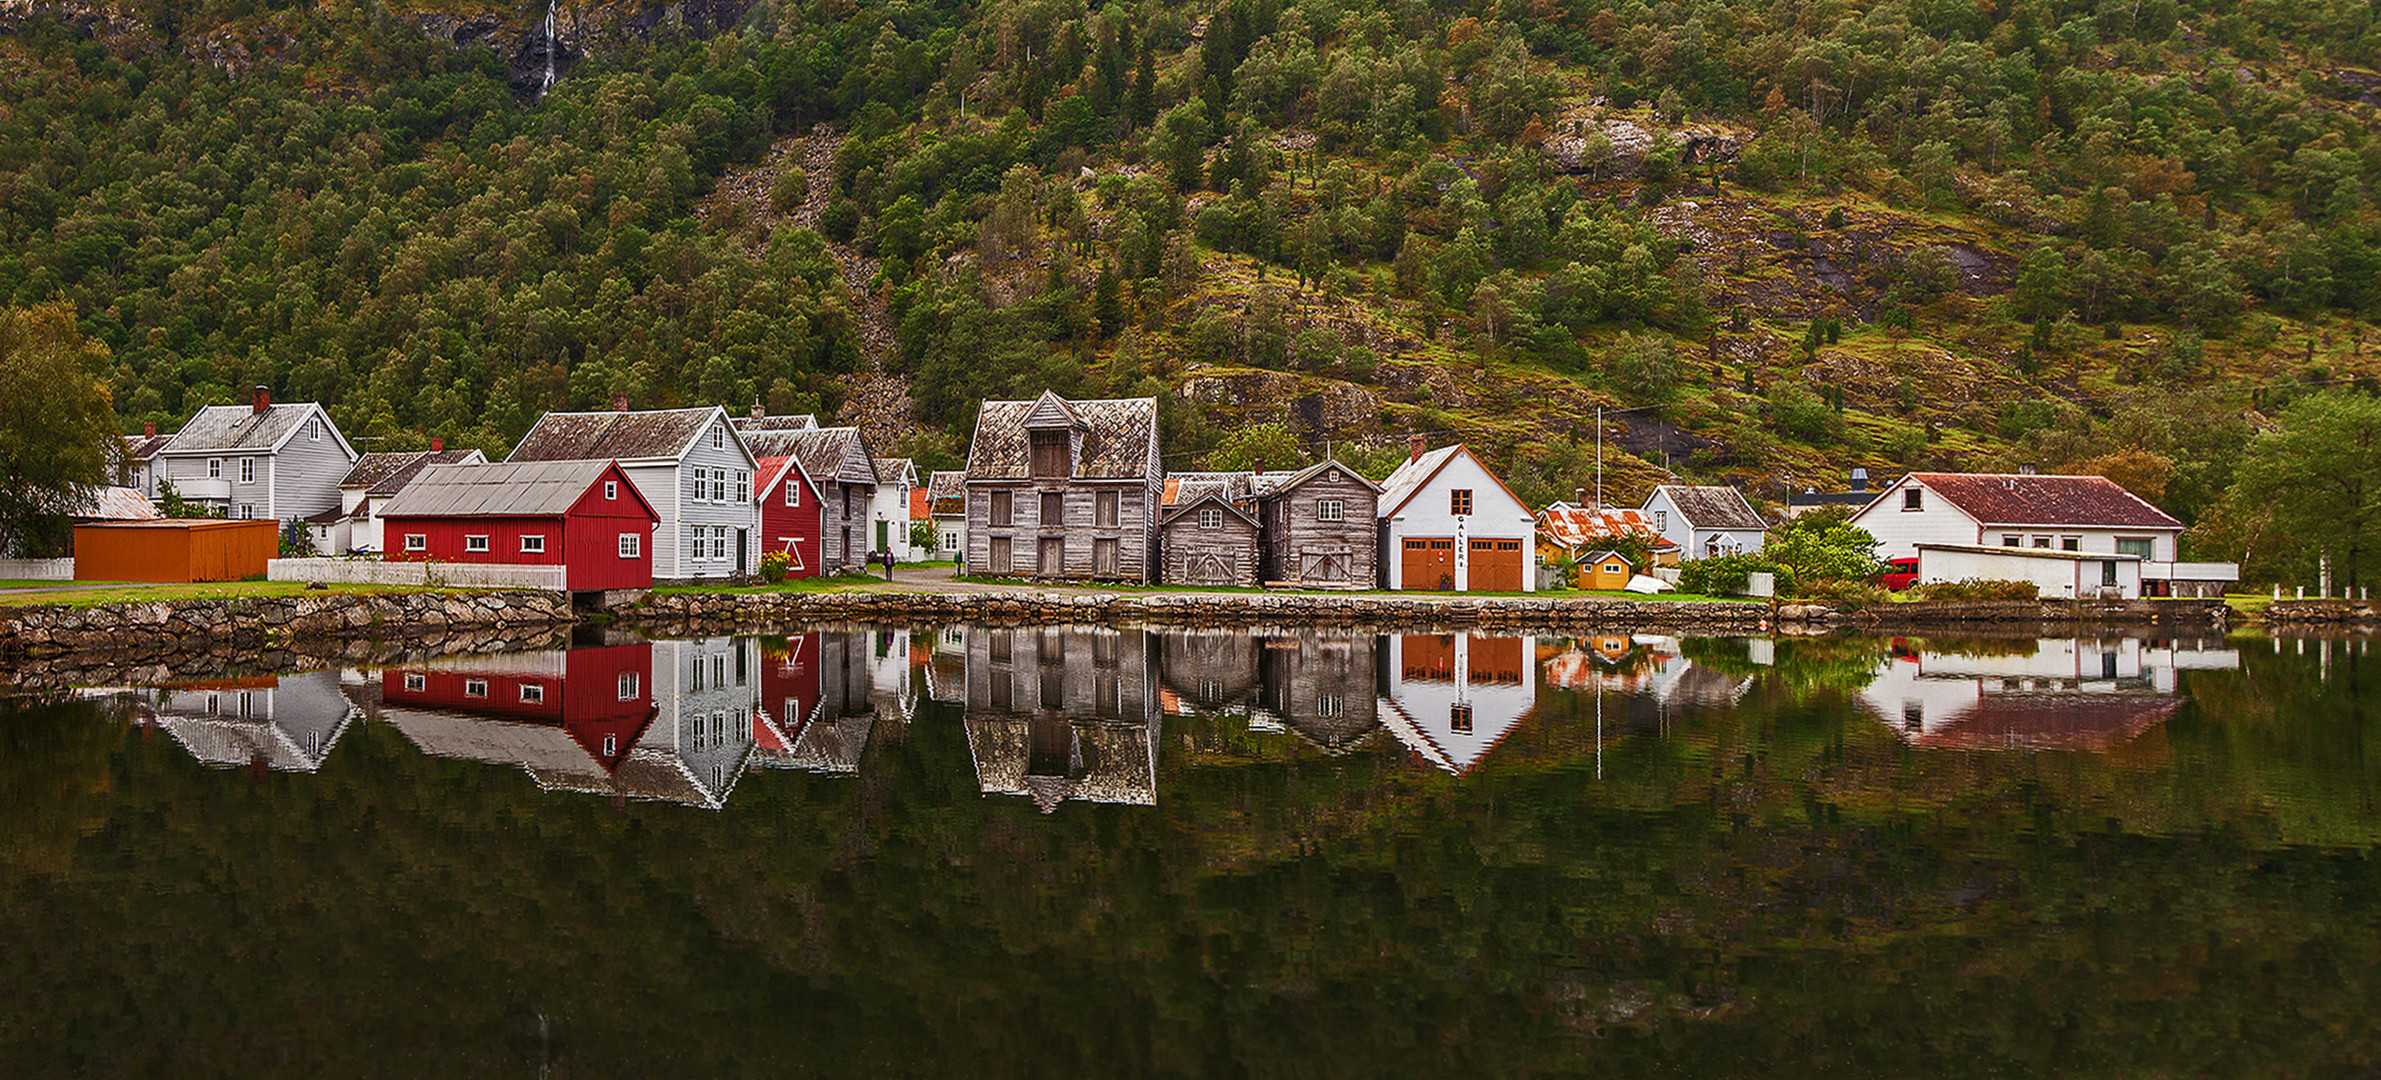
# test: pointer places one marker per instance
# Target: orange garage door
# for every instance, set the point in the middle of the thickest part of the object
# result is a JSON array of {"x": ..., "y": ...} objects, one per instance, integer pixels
[
  {"x": 1429, "y": 564},
  {"x": 1496, "y": 566}
]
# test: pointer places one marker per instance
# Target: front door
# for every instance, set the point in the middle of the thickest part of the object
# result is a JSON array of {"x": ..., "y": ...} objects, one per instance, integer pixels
[
  {"x": 1330, "y": 567},
  {"x": 743, "y": 548},
  {"x": 1053, "y": 560},
  {"x": 883, "y": 536},
  {"x": 1103, "y": 558}
]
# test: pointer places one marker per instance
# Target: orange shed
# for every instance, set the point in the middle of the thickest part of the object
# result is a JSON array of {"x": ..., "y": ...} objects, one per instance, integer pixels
[{"x": 174, "y": 549}]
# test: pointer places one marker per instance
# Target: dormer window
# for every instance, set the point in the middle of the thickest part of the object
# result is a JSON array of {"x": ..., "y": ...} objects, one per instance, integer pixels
[
  {"x": 1051, "y": 451},
  {"x": 1913, "y": 499}
]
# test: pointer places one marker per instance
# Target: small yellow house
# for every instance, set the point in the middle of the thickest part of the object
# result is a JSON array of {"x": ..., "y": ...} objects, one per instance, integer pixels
[{"x": 1603, "y": 570}]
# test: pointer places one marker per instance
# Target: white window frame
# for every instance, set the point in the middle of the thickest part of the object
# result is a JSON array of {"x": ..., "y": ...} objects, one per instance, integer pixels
[
  {"x": 632, "y": 546},
  {"x": 415, "y": 682},
  {"x": 533, "y": 543},
  {"x": 793, "y": 490},
  {"x": 417, "y": 541},
  {"x": 630, "y": 685},
  {"x": 247, "y": 511},
  {"x": 719, "y": 439},
  {"x": 1211, "y": 518},
  {"x": 743, "y": 487},
  {"x": 719, "y": 485},
  {"x": 533, "y": 693},
  {"x": 702, "y": 483},
  {"x": 611, "y": 490},
  {"x": 314, "y": 429},
  {"x": 475, "y": 688},
  {"x": 214, "y": 468},
  {"x": 247, "y": 470},
  {"x": 475, "y": 543},
  {"x": 1913, "y": 499},
  {"x": 1331, "y": 510}
]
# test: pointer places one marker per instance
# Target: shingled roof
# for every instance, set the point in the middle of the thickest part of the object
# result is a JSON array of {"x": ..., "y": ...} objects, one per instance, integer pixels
[
  {"x": 386, "y": 472},
  {"x": 2029, "y": 499},
  {"x": 775, "y": 423},
  {"x": 613, "y": 436},
  {"x": 1119, "y": 437},
  {"x": 221, "y": 429},
  {"x": 510, "y": 489},
  {"x": 824, "y": 452},
  {"x": 1712, "y": 507},
  {"x": 144, "y": 447},
  {"x": 948, "y": 492}
]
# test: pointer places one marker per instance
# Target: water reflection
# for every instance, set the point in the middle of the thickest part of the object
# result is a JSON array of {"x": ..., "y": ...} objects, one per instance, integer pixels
[
  {"x": 285, "y": 724},
  {"x": 2080, "y": 694},
  {"x": 1063, "y": 712}
]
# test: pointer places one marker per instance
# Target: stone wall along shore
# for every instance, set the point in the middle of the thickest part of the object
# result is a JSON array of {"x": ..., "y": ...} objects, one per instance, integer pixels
[
  {"x": 2321, "y": 614},
  {"x": 195, "y": 625},
  {"x": 198, "y": 660}
]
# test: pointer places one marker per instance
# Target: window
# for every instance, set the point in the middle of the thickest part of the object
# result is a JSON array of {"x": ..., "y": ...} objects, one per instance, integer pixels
[
  {"x": 2042, "y": 541},
  {"x": 719, "y": 439},
  {"x": 793, "y": 491},
  {"x": 2108, "y": 572},
  {"x": 702, "y": 483},
  {"x": 1053, "y": 509},
  {"x": 743, "y": 486},
  {"x": 1051, "y": 453},
  {"x": 532, "y": 693},
  {"x": 533, "y": 543},
  {"x": 631, "y": 545},
  {"x": 1459, "y": 501},
  {"x": 1459, "y": 717},
  {"x": 214, "y": 468},
  {"x": 2012, "y": 540},
  {"x": 417, "y": 542},
  {"x": 1331, "y": 510},
  {"x": 611, "y": 745},
  {"x": 1001, "y": 512},
  {"x": 2071, "y": 543},
  {"x": 413, "y": 682},
  {"x": 719, "y": 541},
  {"x": 719, "y": 485},
  {"x": 1329, "y": 705},
  {"x": 2141, "y": 546},
  {"x": 1211, "y": 518},
  {"x": 247, "y": 470},
  {"x": 1104, "y": 510},
  {"x": 247, "y": 511},
  {"x": 1913, "y": 499},
  {"x": 611, "y": 489},
  {"x": 475, "y": 543},
  {"x": 475, "y": 688},
  {"x": 1661, "y": 521}
]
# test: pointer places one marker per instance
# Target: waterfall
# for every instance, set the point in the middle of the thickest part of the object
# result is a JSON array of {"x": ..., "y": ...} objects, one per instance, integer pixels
[{"x": 548, "y": 82}]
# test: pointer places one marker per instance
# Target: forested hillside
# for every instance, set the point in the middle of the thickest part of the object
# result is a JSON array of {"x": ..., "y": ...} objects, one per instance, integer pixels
[{"x": 2116, "y": 236}]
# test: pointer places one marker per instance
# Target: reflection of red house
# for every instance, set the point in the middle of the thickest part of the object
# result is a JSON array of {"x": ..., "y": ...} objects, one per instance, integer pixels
[
  {"x": 584, "y": 516},
  {"x": 602, "y": 697},
  {"x": 789, "y": 514},
  {"x": 789, "y": 685}
]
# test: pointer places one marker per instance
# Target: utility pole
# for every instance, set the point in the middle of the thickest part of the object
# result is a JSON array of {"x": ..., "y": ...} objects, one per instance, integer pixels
[{"x": 1599, "y": 457}]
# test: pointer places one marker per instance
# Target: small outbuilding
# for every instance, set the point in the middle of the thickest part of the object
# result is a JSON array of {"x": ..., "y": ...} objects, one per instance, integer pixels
[
  {"x": 2056, "y": 573},
  {"x": 175, "y": 549},
  {"x": 584, "y": 516},
  {"x": 1604, "y": 569}
]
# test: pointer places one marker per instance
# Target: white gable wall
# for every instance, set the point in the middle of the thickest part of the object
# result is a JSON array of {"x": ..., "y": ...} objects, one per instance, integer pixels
[
  {"x": 1495, "y": 515},
  {"x": 1937, "y": 521},
  {"x": 684, "y": 509},
  {"x": 1695, "y": 543}
]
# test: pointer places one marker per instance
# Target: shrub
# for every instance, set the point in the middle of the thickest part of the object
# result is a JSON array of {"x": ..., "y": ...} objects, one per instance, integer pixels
[
  {"x": 1846, "y": 595},
  {"x": 1979, "y": 589},
  {"x": 1726, "y": 575},
  {"x": 774, "y": 565}
]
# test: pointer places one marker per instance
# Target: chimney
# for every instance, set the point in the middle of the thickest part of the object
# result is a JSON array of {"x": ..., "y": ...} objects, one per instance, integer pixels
[
  {"x": 1258, "y": 466},
  {"x": 620, "y": 402},
  {"x": 437, "y": 444},
  {"x": 1579, "y": 497},
  {"x": 149, "y": 429},
  {"x": 757, "y": 411},
  {"x": 1859, "y": 480},
  {"x": 2026, "y": 469},
  {"x": 259, "y": 400},
  {"x": 1413, "y": 447}
]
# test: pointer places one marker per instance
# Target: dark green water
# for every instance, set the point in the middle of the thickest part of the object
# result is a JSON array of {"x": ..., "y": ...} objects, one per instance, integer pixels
[{"x": 1093, "y": 853}]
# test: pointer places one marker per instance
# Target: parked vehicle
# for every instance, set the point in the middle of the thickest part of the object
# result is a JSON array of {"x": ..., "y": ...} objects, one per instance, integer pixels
[{"x": 1899, "y": 574}]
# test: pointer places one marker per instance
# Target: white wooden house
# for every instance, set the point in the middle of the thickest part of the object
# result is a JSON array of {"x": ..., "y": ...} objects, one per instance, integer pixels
[
  {"x": 1705, "y": 521},
  {"x": 2087, "y": 514},
  {"x": 354, "y": 525},
  {"x": 888, "y": 510},
  {"x": 1447, "y": 523},
  {"x": 259, "y": 460},
  {"x": 688, "y": 463}
]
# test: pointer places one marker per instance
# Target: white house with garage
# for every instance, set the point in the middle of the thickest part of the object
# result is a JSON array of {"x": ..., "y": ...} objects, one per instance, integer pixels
[
  {"x": 2075, "y": 515},
  {"x": 689, "y": 465},
  {"x": 1448, "y": 524}
]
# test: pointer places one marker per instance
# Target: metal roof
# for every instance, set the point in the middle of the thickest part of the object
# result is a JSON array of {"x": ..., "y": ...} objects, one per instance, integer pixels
[
  {"x": 116, "y": 504},
  {"x": 621, "y": 436},
  {"x": 1568, "y": 526},
  {"x": 510, "y": 489}
]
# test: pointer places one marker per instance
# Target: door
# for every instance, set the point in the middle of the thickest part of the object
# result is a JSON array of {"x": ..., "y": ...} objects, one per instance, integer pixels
[
  {"x": 743, "y": 550},
  {"x": 1103, "y": 558},
  {"x": 1428, "y": 564},
  {"x": 1496, "y": 566},
  {"x": 1324, "y": 567},
  {"x": 1208, "y": 568},
  {"x": 1053, "y": 560},
  {"x": 884, "y": 534}
]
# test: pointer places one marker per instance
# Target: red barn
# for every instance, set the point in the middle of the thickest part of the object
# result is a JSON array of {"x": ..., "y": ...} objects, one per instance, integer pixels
[
  {"x": 789, "y": 514},
  {"x": 584, "y": 516}
]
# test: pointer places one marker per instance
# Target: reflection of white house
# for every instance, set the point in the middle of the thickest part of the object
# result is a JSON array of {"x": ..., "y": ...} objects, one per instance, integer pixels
[
  {"x": 288, "y": 724},
  {"x": 708, "y": 695},
  {"x": 2084, "y": 693},
  {"x": 1452, "y": 697}
]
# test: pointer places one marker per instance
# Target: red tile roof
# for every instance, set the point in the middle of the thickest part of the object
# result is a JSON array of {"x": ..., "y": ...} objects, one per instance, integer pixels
[{"x": 2029, "y": 499}]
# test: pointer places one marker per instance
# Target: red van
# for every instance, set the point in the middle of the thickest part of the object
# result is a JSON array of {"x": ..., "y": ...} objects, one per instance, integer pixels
[{"x": 1899, "y": 574}]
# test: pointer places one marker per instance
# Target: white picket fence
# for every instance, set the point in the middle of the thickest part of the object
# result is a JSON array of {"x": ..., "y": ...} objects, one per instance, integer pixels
[
  {"x": 424, "y": 574},
  {"x": 36, "y": 569}
]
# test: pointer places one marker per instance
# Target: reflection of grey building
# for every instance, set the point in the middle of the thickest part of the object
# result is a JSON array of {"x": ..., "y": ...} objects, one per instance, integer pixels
[
  {"x": 708, "y": 694},
  {"x": 288, "y": 724},
  {"x": 1210, "y": 672},
  {"x": 1057, "y": 713},
  {"x": 1323, "y": 686}
]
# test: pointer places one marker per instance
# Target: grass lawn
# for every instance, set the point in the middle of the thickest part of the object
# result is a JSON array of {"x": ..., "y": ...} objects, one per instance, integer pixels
[
  {"x": 1566, "y": 594},
  {"x": 48, "y": 583},
  {"x": 834, "y": 583},
  {"x": 213, "y": 590}
]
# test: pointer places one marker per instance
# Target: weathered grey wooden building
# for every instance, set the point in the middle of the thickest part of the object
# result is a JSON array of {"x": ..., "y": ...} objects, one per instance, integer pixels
[
  {"x": 1208, "y": 533},
  {"x": 838, "y": 461},
  {"x": 1064, "y": 489},
  {"x": 1323, "y": 686},
  {"x": 1320, "y": 528},
  {"x": 1063, "y": 712}
]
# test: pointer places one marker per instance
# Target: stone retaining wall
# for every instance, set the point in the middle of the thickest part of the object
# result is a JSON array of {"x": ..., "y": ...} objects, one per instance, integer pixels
[
  {"x": 159, "y": 626},
  {"x": 2298, "y": 613}
]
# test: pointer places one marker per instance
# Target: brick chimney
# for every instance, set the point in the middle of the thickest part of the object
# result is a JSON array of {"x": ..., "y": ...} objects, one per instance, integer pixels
[
  {"x": 1413, "y": 447},
  {"x": 259, "y": 400},
  {"x": 1579, "y": 497},
  {"x": 437, "y": 444},
  {"x": 1258, "y": 466},
  {"x": 757, "y": 411},
  {"x": 620, "y": 402},
  {"x": 148, "y": 429}
]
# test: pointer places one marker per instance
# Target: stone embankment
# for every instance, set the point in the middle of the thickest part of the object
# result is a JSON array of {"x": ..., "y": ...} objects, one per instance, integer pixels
[
  {"x": 713, "y": 611},
  {"x": 2321, "y": 614},
  {"x": 196, "y": 660},
  {"x": 162, "y": 627}
]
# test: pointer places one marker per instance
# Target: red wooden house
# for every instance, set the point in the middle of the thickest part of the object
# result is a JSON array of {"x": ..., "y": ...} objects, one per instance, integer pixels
[
  {"x": 601, "y": 698},
  {"x": 583, "y": 516},
  {"x": 789, "y": 514}
]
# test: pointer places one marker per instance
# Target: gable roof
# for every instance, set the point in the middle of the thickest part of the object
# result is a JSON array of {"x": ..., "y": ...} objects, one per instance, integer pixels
[
  {"x": 1416, "y": 472},
  {"x": 769, "y": 470},
  {"x": 774, "y": 423},
  {"x": 1568, "y": 526},
  {"x": 1203, "y": 497},
  {"x": 893, "y": 470},
  {"x": 221, "y": 429},
  {"x": 1711, "y": 507},
  {"x": 1274, "y": 484},
  {"x": 2031, "y": 499},
  {"x": 948, "y": 492},
  {"x": 651, "y": 435},
  {"x": 1119, "y": 437},
  {"x": 824, "y": 452},
  {"x": 384, "y": 472},
  {"x": 1184, "y": 488},
  {"x": 509, "y": 489},
  {"x": 144, "y": 447}
]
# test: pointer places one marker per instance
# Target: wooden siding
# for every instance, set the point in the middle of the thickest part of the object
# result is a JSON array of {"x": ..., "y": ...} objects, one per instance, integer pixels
[
  {"x": 1075, "y": 671},
  {"x": 735, "y": 513},
  {"x": 1224, "y": 556},
  {"x": 792, "y": 528},
  {"x": 1296, "y": 538},
  {"x": 1135, "y": 531},
  {"x": 304, "y": 477},
  {"x": 833, "y": 520}
]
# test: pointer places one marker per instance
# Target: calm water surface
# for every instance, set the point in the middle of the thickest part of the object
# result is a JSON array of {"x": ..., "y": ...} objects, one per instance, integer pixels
[{"x": 1092, "y": 852}]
